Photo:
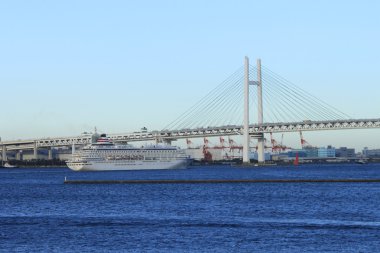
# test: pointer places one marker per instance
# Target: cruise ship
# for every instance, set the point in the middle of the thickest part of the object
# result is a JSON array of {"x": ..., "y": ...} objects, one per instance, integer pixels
[{"x": 103, "y": 154}]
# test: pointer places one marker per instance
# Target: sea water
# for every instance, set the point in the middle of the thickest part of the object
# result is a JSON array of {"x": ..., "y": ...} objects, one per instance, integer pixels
[{"x": 39, "y": 213}]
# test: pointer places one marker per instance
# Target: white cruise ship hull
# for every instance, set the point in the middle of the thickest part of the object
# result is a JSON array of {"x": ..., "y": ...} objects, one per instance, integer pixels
[
  {"x": 127, "y": 165},
  {"x": 103, "y": 155}
]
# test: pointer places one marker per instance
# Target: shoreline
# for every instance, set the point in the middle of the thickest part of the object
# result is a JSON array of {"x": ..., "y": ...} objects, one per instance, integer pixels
[{"x": 233, "y": 164}]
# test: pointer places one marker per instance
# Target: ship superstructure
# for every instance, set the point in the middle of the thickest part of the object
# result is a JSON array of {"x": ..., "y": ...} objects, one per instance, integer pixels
[{"x": 103, "y": 154}]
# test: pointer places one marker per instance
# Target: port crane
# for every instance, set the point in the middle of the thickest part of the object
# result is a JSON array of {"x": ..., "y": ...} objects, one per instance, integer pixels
[
  {"x": 304, "y": 143},
  {"x": 277, "y": 147}
]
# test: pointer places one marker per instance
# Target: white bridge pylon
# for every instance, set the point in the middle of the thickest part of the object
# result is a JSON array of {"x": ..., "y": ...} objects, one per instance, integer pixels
[{"x": 260, "y": 120}]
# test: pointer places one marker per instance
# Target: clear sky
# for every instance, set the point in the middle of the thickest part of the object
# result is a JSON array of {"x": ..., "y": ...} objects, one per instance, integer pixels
[{"x": 67, "y": 66}]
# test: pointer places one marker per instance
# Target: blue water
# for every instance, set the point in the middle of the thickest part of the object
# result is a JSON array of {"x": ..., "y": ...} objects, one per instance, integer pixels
[{"x": 38, "y": 213}]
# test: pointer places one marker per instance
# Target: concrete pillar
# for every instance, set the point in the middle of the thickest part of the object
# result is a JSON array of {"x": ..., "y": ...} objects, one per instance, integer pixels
[
  {"x": 260, "y": 120},
  {"x": 50, "y": 154},
  {"x": 35, "y": 151},
  {"x": 18, "y": 155},
  {"x": 4, "y": 153},
  {"x": 246, "y": 113}
]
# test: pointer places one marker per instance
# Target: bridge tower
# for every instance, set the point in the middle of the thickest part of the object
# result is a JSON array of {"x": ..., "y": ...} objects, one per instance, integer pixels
[
  {"x": 246, "y": 112},
  {"x": 260, "y": 121},
  {"x": 246, "y": 135}
]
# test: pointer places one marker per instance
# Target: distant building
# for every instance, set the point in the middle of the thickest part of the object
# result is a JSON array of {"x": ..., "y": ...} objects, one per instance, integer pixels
[
  {"x": 312, "y": 152},
  {"x": 326, "y": 152},
  {"x": 371, "y": 153},
  {"x": 293, "y": 153},
  {"x": 345, "y": 152},
  {"x": 255, "y": 155}
]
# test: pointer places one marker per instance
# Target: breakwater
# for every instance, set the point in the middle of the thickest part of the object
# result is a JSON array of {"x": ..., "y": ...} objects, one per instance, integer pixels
[{"x": 222, "y": 181}]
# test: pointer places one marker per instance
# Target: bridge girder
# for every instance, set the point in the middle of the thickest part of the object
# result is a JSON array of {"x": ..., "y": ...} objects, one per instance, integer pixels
[{"x": 255, "y": 131}]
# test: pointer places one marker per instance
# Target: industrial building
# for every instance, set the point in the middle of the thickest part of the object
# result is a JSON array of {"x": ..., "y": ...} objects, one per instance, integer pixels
[{"x": 371, "y": 153}]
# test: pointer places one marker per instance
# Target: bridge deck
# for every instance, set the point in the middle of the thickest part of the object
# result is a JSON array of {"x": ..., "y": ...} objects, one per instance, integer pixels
[{"x": 254, "y": 130}]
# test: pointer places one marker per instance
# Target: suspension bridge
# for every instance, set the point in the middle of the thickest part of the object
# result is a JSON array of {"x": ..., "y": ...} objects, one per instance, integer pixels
[{"x": 252, "y": 102}]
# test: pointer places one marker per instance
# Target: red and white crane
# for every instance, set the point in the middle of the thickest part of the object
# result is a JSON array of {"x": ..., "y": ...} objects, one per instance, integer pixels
[
  {"x": 304, "y": 143},
  {"x": 277, "y": 147}
]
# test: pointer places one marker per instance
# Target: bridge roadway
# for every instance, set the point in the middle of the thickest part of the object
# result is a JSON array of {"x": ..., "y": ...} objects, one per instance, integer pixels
[{"x": 169, "y": 135}]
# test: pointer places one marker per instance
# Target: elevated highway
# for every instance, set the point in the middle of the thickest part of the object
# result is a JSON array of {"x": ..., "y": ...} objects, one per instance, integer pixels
[{"x": 169, "y": 135}]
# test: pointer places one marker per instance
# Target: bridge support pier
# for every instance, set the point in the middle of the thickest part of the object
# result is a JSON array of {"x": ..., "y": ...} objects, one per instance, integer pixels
[
  {"x": 260, "y": 149},
  {"x": 50, "y": 154},
  {"x": 4, "y": 153},
  {"x": 35, "y": 151},
  {"x": 19, "y": 155}
]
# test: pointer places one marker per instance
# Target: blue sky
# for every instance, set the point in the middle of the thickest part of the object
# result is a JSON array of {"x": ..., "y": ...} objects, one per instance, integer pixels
[{"x": 67, "y": 66}]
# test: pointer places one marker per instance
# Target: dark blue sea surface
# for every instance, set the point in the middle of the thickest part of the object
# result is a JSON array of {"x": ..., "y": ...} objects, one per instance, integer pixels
[{"x": 39, "y": 213}]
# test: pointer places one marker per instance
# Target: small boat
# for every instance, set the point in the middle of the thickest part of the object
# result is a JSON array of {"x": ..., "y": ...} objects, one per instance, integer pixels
[
  {"x": 361, "y": 161},
  {"x": 7, "y": 165}
]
